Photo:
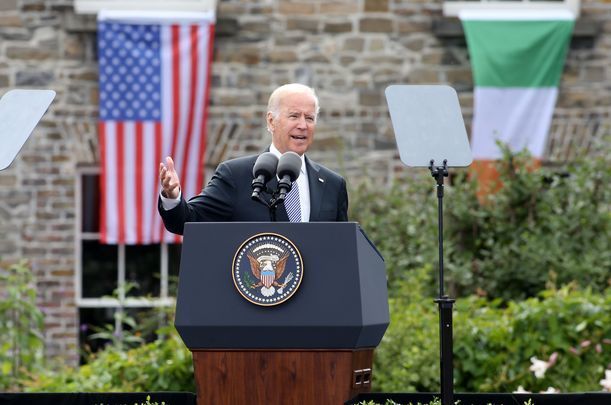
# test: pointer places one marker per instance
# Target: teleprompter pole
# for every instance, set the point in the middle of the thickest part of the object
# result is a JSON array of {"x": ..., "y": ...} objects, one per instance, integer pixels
[{"x": 444, "y": 302}]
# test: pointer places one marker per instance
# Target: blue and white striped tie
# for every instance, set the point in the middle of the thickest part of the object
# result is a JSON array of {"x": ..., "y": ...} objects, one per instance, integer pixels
[{"x": 292, "y": 204}]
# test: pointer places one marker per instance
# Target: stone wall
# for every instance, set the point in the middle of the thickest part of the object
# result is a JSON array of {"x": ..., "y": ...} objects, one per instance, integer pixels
[{"x": 349, "y": 50}]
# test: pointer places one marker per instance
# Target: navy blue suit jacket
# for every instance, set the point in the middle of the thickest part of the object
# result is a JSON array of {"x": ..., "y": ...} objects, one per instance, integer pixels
[{"x": 227, "y": 197}]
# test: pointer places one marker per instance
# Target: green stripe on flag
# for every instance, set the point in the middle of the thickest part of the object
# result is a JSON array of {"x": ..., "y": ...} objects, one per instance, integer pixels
[{"x": 527, "y": 53}]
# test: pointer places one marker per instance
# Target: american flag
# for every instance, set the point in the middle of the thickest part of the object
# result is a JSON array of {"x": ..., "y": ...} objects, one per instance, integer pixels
[{"x": 154, "y": 83}]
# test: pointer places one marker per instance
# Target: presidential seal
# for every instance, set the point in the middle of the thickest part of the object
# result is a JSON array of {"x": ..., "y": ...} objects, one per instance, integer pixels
[{"x": 267, "y": 269}]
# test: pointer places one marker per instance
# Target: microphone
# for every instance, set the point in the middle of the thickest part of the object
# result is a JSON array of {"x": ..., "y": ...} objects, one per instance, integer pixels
[
  {"x": 264, "y": 169},
  {"x": 289, "y": 167}
]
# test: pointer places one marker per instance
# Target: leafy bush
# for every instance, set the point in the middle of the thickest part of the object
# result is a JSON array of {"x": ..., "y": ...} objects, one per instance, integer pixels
[
  {"x": 541, "y": 224},
  {"x": 21, "y": 325},
  {"x": 407, "y": 360},
  {"x": 493, "y": 344},
  {"x": 163, "y": 365}
]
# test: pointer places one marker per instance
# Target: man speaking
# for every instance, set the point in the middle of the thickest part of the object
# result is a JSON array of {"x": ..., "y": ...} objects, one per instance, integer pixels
[{"x": 318, "y": 194}]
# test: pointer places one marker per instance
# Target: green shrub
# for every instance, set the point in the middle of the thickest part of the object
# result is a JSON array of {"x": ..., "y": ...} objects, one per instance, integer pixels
[
  {"x": 163, "y": 365},
  {"x": 542, "y": 224},
  {"x": 21, "y": 325},
  {"x": 493, "y": 343},
  {"x": 407, "y": 360}
]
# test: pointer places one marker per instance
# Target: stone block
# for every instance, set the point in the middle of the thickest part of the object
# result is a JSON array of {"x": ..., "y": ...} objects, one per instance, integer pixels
[
  {"x": 28, "y": 53},
  {"x": 415, "y": 44},
  {"x": 8, "y": 5},
  {"x": 369, "y": 97},
  {"x": 595, "y": 74},
  {"x": 347, "y": 60},
  {"x": 259, "y": 27},
  {"x": 248, "y": 55},
  {"x": 316, "y": 58},
  {"x": 73, "y": 47},
  {"x": 376, "y": 25},
  {"x": 338, "y": 27},
  {"x": 331, "y": 7},
  {"x": 432, "y": 56},
  {"x": 34, "y": 78},
  {"x": 7, "y": 247},
  {"x": 408, "y": 27},
  {"x": 300, "y": 24},
  {"x": 10, "y": 20},
  {"x": 33, "y": 6},
  {"x": 282, "y": 56},
  {"x": 15, "y": 34},
  {"x": 354, "y": 44},
  {"x": 460, "y": 76},
  {"x": 376, "y": 5},
  {"x": 376, "y": 45},
  {"x": 293, "y": 8},
  {"x": 423, "y": 76}
]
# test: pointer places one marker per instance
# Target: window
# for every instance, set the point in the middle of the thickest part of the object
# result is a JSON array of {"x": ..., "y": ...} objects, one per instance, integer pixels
[
  {"x": 451, "y": 8},
  {"x": 116, "y": 279}
]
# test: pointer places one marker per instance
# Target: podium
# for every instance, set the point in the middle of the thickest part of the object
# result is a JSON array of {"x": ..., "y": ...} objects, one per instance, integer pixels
[{"x": 316, "y": 347}]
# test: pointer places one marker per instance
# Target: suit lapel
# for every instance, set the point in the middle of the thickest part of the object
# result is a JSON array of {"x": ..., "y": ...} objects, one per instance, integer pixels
[{"x": 317, "y": 186}]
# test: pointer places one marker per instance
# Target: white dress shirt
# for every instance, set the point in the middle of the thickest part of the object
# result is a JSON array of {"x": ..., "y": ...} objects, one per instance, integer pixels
[{"x": 302, "y": 183}]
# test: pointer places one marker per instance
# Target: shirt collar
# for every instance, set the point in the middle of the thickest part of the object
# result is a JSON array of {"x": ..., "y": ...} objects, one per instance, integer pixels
[{"x": 275, "y": 151}]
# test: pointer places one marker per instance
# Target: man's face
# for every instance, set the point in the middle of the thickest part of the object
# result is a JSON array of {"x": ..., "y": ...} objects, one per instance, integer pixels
[{"x": 293, "y": 129}]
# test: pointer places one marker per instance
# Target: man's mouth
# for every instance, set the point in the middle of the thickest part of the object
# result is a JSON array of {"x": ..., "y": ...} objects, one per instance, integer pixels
[{"x": 299, "y": 137}]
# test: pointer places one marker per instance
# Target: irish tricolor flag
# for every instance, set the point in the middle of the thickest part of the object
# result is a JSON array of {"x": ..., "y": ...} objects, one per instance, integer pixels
[{"x": 517, "y": 59}]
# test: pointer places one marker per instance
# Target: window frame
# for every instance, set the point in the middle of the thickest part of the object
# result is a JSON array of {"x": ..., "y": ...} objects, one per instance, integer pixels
[{"x": 121, "y": 302}]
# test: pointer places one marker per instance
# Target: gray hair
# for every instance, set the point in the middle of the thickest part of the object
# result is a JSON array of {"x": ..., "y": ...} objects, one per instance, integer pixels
[{"x": 273, "y": 105}]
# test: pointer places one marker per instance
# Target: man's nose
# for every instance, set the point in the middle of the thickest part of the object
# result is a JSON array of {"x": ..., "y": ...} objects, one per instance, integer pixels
[{"x": 302, "y": 122}]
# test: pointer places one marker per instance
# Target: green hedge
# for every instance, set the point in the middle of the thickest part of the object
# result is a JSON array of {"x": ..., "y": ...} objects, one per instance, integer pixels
[
  {"x": 493, "y": 344},
  {"x": 542, "y": 225},
  {"x": 21, "y": 325},
  {"x": 163, "y": 365}
]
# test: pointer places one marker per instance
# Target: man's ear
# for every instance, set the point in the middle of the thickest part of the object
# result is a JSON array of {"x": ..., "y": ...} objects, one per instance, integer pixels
[{"x": 269, "y": 118}]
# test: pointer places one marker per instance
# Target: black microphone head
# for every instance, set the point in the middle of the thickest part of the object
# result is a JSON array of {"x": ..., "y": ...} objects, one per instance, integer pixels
[
  {"x": 289, "y": 165},
  {"x": 265, "y": 165}
]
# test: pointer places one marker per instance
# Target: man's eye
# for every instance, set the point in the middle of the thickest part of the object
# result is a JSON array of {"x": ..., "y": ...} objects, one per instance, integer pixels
[{"x": 310, "y": 119}]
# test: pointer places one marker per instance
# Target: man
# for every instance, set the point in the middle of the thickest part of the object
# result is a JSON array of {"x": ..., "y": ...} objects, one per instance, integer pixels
[{"x": 319, "y": 194}]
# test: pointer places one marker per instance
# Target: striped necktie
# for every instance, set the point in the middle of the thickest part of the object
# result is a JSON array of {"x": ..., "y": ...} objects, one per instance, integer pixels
[{"x": 292, "y": 204}]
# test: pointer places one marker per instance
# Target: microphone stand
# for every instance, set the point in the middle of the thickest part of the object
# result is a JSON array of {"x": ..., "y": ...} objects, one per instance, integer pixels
[
  {"x": 444, "y": 302},
  {"x": 271, "y": 205}
]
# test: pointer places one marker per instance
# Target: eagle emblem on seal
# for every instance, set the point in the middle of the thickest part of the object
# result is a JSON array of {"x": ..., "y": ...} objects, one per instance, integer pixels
[{"x": 267, "y": 269}]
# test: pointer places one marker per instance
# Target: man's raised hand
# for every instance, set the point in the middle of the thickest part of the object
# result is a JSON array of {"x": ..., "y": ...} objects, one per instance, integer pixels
[{"x": 170, "y": 183}]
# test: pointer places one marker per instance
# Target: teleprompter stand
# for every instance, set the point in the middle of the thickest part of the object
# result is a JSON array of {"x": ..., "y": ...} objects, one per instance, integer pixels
[
  {"x": 20, "y": 111},
  {"x": 430, "y": 133}
]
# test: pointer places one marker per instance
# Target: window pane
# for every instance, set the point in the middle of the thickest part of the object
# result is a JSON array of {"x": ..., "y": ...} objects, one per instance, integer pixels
[
  {"x": 148, "y": 321},
  {"x": 142, "y": 268},
  {"x": 173, "y": 267},
  {"x": 90, "y": 201},
  {"x": 99, "y": 269},
  {"x": 90, "y": 319}
]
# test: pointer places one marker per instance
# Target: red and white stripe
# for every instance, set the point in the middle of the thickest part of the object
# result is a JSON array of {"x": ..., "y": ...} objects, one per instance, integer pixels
[{"x": 131, "y": 150}]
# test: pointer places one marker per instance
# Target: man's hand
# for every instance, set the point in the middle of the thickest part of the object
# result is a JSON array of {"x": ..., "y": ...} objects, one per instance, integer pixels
[{"x": 170, "y": 183}]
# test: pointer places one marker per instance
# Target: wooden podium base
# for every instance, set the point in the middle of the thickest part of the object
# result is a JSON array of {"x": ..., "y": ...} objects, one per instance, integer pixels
[{"x": 281, "y": 377}]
